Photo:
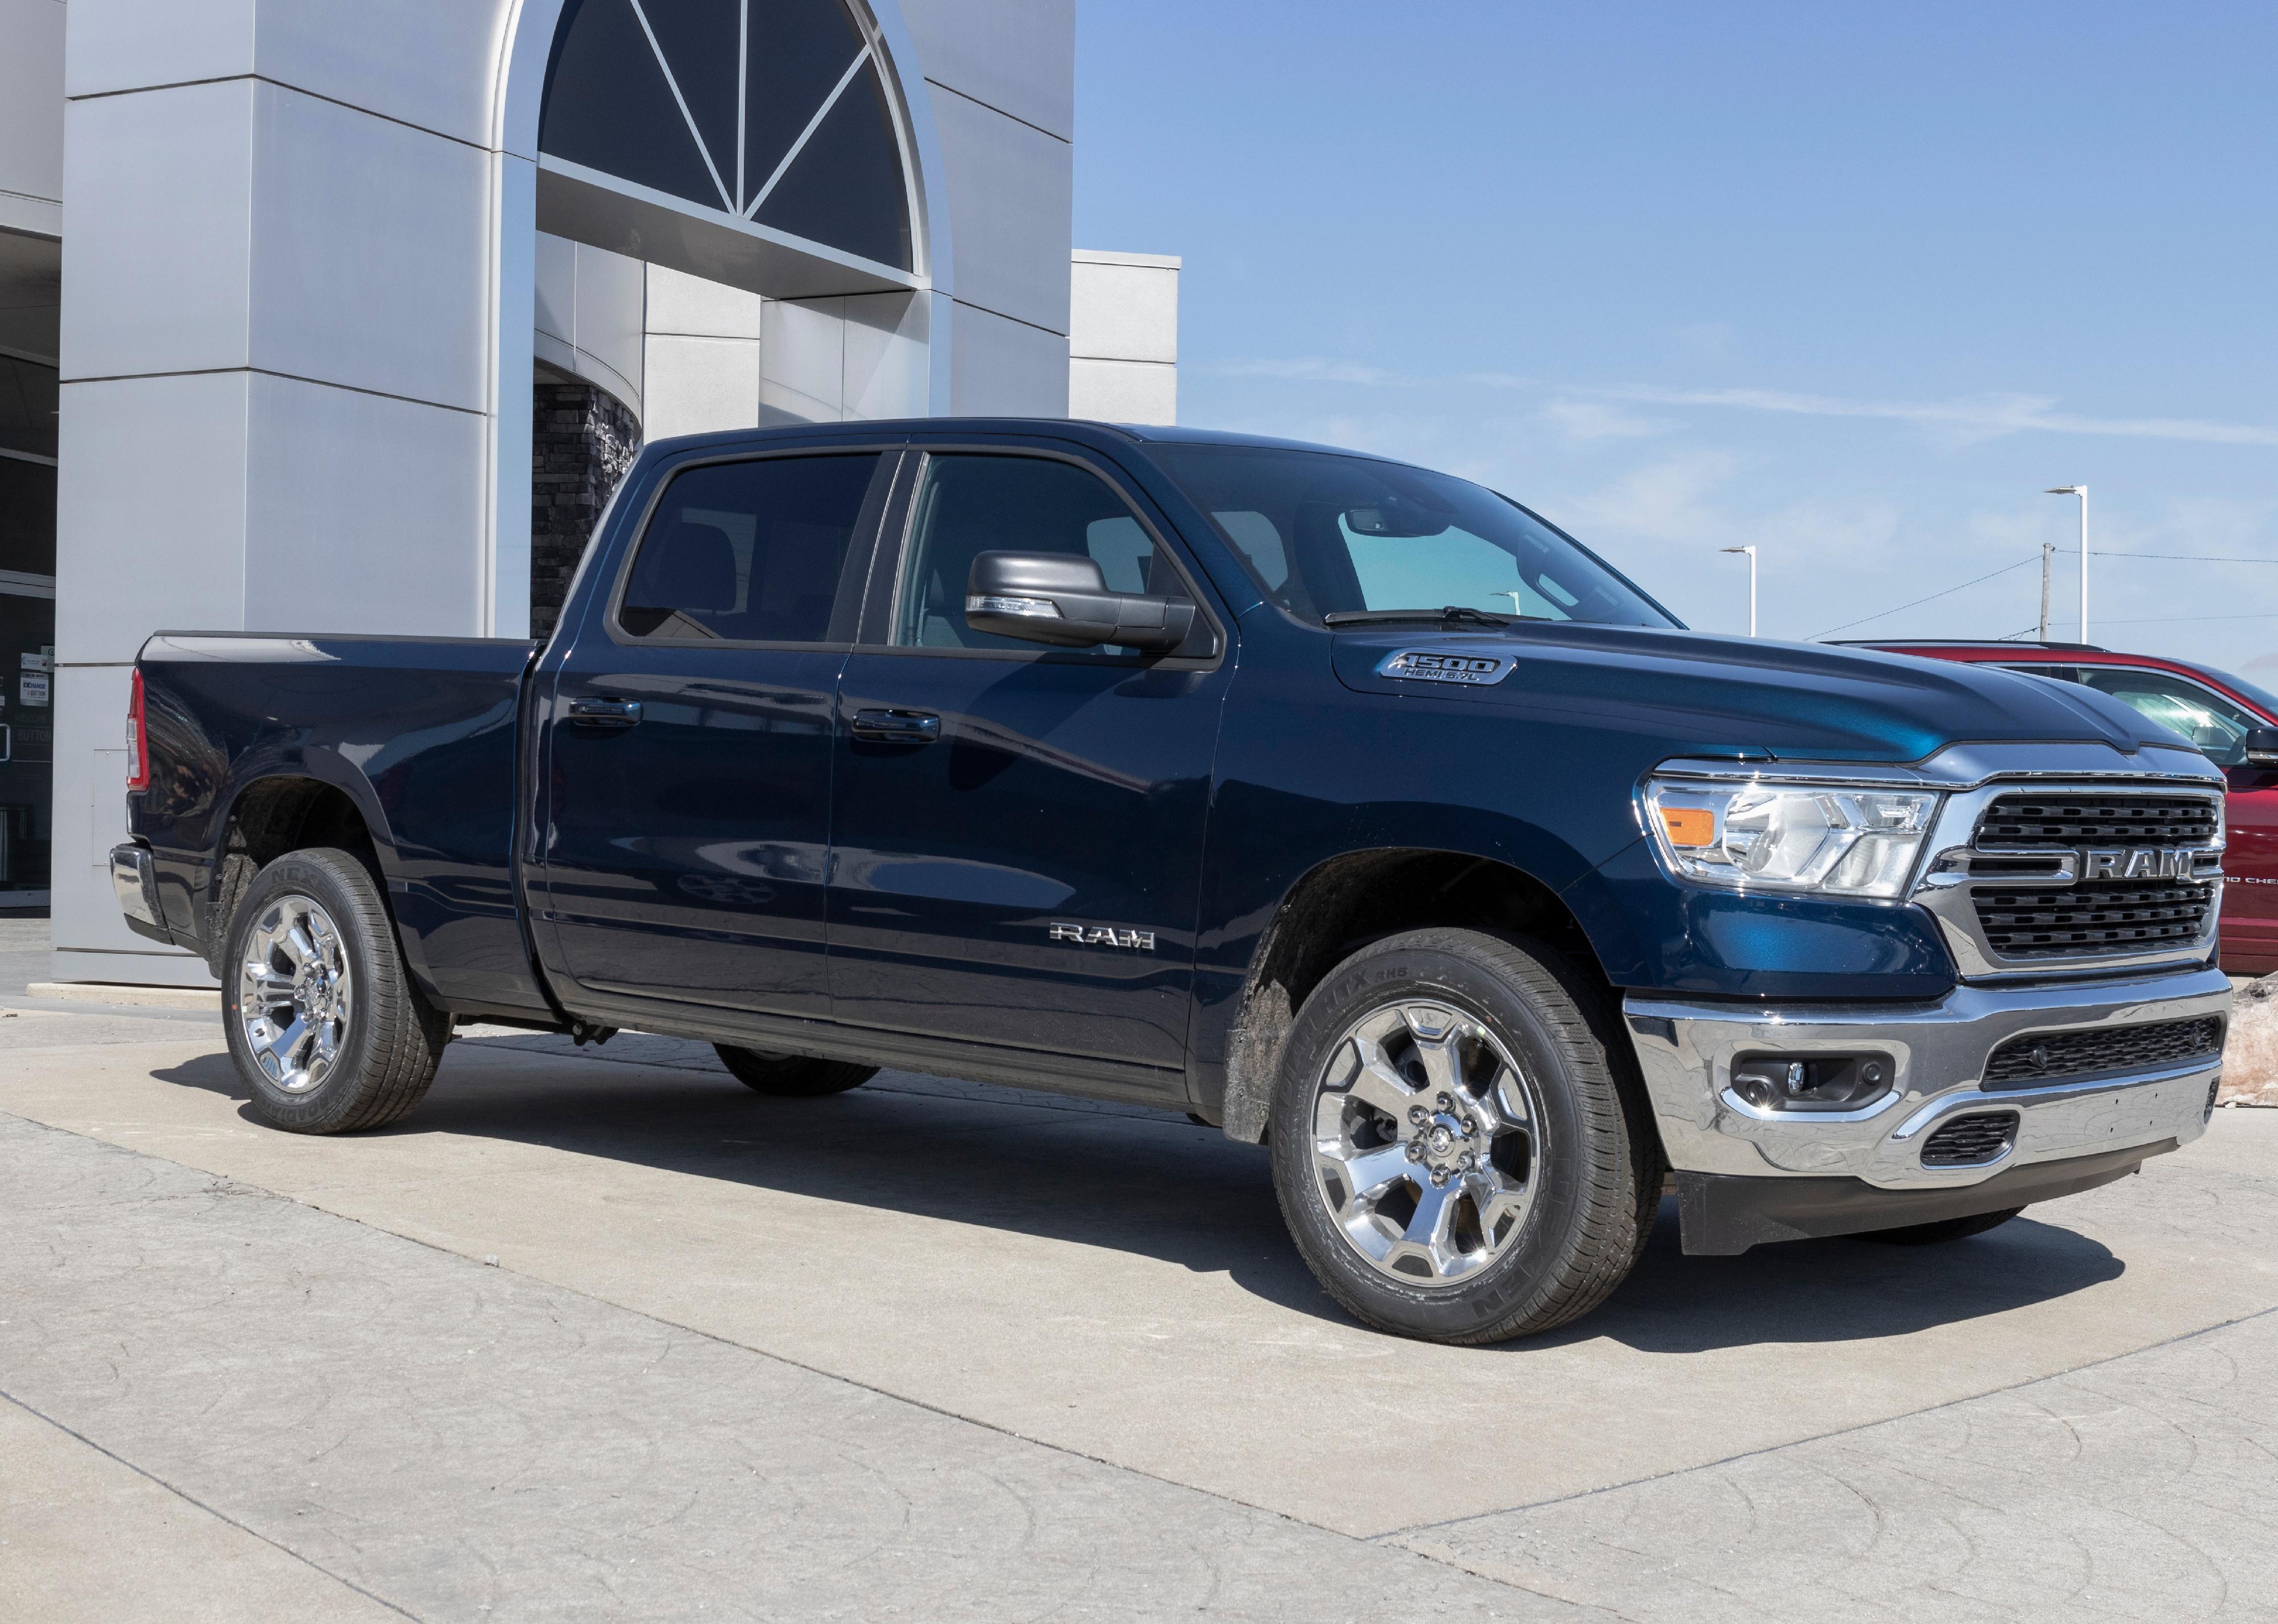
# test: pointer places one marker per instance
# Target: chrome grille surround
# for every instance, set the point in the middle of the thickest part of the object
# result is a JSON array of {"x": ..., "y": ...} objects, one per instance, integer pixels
[
  {"x": 1973, "y": 778},
  {"x": 2027, "y": 906}
]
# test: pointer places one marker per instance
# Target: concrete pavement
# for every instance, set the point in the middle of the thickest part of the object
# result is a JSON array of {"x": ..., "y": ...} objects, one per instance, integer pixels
[{"x": 934, "y": 1350}]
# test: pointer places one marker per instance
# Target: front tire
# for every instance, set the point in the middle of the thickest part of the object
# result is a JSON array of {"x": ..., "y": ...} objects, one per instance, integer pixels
[
  {"x": 324, "y": 1023},
  {"x": 1459, "y": 1147},
  {"x": 791, "y": 1077}
]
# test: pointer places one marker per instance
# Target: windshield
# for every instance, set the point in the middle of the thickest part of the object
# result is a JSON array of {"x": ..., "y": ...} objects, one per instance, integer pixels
[
  {"x": 1323, "y": 534},
  {"x": 2257, "y": 694}
]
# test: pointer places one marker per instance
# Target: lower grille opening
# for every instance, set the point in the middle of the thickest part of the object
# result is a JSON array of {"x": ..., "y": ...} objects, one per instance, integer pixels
[
  {"x": 1968, "y": 1142},
  {"x": 2115, "y": 916},
  {"x": 2044, "y": 1056}
]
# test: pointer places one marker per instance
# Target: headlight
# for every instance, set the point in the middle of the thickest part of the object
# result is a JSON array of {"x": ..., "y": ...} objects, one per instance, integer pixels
[{"x": 1791, "y": 837}]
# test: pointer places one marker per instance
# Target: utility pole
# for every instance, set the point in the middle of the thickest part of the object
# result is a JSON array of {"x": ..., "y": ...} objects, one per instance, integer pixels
[
  {"x": 2081, "y": 492},
  {"x": 1751, "y": 552},
  {"x": 2048, "y": 552}
]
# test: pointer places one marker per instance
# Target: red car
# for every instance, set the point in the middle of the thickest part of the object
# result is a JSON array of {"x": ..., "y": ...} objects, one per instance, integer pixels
[{"x": 2234, "y": 723}]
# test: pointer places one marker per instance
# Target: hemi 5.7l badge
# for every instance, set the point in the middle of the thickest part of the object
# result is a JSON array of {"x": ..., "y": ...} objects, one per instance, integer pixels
[
  {"x": 1446, "y": 666},
  {"x": 1104, "y": 936}
]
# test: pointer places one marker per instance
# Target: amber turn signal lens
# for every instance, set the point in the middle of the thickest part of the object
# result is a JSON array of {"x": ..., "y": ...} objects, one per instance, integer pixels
[{"x": 1689, "y": 825}]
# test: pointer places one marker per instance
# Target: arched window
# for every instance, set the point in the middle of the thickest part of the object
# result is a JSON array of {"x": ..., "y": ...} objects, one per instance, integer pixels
[{"x": 767, "y": 111}]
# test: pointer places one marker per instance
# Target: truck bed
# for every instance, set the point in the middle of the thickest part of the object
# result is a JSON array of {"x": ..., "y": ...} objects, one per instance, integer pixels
[{"x": 419, "y": 733}]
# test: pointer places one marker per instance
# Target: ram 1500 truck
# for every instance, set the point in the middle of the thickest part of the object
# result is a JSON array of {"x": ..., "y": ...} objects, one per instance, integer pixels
[{"x": 1347, "y": 805}]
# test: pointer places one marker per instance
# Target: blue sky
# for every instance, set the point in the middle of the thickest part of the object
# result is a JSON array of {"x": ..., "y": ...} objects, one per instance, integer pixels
[{"x": 1851, "y": 283}]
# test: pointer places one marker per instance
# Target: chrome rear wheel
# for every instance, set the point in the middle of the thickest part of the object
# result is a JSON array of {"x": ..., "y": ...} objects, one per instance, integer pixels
[{"x": 295, "y": 995}]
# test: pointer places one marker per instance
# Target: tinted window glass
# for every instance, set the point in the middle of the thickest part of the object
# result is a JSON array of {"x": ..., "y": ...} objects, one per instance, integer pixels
[
  {"x": 972, "y": 505},
  {"x": 2260, "y": 695},
  {"x": 2207, "y": 720},
  {"x": 816, "y": 154},
  {"x": 749, "y": 551},
  {"x": 1322, "y": 533}
]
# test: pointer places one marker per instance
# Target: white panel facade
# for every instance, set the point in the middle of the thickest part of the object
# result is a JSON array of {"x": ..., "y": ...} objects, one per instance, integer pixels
[
  {"x": 1123, "y": 391},
  {"x": 696, "y": 385},
  {"x": 1123, "y": 337},
  {"x": 362, "y": 216},
  {"x": 150, "y": 511},
  {"x": 590, "y": 306},
  {"x": 159, "y": 231},
  {"x": 1008, "y": 369},
  {"x": 32, "y": 116},
  {"x": 1012, "y": 190},
  {"x": 1015, "y": 56},
  {"x": 391, "y": 530},
  {"x": 116, "y": 45}
]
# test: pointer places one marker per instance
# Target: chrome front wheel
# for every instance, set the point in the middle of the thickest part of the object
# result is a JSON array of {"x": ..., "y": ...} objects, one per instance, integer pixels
[
  {"x": 1425, "y": 1142},
  {"x": 294, "y": 993}
]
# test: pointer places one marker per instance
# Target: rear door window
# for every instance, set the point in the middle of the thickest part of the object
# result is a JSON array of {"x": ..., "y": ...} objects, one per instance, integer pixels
[{"x": 756, "y": 550}]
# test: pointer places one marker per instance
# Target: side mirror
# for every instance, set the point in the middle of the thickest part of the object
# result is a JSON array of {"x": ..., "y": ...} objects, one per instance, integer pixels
[
  {"x": 1062, "y": 599},
  {"x": 2261, "y": 746}
]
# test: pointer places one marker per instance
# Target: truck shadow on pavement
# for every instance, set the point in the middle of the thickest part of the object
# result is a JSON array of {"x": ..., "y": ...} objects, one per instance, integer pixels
[{"x": 1155, "y": 1183}]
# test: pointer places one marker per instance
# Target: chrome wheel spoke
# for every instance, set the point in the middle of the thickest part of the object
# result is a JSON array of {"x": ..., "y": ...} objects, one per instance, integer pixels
[
  {"x": 293, "y": 994},
  {"x": 1411, "y": 1108},
  {"x": 1369, "y": 1175}
]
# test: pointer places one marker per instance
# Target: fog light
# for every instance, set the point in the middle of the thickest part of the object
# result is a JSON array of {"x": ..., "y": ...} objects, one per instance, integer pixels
[{"x": 1811, "y": 1082}]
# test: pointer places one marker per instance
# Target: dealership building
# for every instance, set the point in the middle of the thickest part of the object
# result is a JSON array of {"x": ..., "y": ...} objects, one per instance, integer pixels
[{"x": 346, "y": 316}]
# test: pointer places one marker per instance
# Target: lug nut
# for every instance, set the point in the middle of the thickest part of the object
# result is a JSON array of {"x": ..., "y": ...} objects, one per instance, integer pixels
[
  {"x": 1465, "y": 1160},
  {"x": 1415, "y": 1151},
  {"x": 1445, "y": 1102},
  {"x": 1439, "y": 1177},
  {"x": 1415, "y": 1115}
]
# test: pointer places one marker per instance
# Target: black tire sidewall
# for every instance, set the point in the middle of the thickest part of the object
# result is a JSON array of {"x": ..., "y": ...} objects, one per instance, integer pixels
[
  {"x": 336, "y": 1100},
  {"x": 1510, "y": 1292}
]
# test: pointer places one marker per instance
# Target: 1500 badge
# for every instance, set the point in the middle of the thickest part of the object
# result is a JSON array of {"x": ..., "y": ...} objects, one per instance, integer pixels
[
  {"x": 1446, "y": 666},
  {"x": 1104, "y": 936}
]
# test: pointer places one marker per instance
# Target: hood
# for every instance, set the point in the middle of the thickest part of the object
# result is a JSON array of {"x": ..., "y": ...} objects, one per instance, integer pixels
[{"x": 1749, "y": 697}]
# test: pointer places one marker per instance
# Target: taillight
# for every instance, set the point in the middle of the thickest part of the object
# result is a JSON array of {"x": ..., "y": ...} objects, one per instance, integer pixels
[{"x": 138, "y": 741}]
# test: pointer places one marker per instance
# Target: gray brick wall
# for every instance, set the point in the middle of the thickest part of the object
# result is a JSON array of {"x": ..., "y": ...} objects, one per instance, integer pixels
[{"x": 581, "y": 442}]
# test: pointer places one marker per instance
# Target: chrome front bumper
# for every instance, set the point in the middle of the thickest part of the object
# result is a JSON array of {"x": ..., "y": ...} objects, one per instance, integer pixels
[{"x": 1686, "y": 1049}]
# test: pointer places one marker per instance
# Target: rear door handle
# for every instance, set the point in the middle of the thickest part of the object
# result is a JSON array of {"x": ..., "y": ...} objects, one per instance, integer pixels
[
  {"x": 606, "y": 712},
  {"x": 897, "y": 727}
]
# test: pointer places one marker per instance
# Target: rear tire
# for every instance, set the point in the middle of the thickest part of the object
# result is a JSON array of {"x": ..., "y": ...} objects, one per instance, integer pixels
[
  {"x": 311, "y": 947},
  {"x": 791, "y": 1077},
  {"x": 1460, "y": 1145},
  {"x": 1941, "y": 1232}
]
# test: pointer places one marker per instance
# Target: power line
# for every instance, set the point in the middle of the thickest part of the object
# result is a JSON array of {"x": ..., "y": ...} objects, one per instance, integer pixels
[
  {"x": 2031, "y": 558},
  {"x": 2170, "y": 620}
]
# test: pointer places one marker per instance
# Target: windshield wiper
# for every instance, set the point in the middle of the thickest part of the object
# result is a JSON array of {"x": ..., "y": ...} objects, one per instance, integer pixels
[{"x": 1454, "y": 613}]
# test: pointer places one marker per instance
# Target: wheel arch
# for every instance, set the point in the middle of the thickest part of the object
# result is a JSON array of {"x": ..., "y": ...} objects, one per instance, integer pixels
[
  {"x": 272, "y": 813},
  {"x": 1345, "y": 902}
]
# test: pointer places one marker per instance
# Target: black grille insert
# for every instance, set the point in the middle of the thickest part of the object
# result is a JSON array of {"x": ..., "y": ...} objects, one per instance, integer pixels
[
  {"x": 2108, "y": 916},
  {"x": 2026, "y": 822},
  {"x": 2043, "y": 1056},
  {"x": 1966, "y": 1141}
]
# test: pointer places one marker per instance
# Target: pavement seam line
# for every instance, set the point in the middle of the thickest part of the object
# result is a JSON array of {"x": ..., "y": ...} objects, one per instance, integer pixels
[
  {"x": 1818, "y": 1437},
  {"x": 181, "y": 1494},
  {"x": 1374, "y": 1540}
]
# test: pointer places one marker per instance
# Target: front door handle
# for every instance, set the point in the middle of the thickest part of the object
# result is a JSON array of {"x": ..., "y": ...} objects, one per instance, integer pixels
[
  {"x": 605, "y": 713},
  {"x": 897, "y": 727}
]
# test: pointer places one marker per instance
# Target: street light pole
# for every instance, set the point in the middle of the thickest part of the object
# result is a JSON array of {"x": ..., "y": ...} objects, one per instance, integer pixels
[
  {"x": 1751, "y": 552},
  {"x": 2081, "y": 492},
  {"x": 2048, "y": 551}
]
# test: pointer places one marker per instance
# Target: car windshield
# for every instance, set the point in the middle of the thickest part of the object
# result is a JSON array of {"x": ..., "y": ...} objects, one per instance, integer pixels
[
  {"x": 2261, "y": 697},
  {"x": 1328, "y": 535}
]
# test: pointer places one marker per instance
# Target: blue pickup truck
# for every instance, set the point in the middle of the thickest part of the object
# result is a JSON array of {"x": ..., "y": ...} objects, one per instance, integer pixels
[{"x": 1344, "y": 805}]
